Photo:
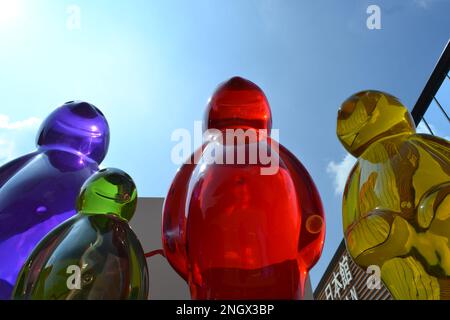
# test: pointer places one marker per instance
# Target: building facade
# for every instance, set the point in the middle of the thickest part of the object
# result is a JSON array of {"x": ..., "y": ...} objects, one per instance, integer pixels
[{"x": 344, "y": 280}]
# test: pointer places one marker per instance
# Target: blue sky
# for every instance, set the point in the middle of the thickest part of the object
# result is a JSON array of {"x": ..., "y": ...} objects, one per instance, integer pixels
[{"x": 150, "y": 66}]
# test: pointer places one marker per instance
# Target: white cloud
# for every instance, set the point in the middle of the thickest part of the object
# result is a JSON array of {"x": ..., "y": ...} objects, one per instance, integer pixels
[
  {"x": 6, "y": 151},
  {"x": 340, "y": 171},
  {"x": 16, "y": 137},
  {"x": 5, "y": 123}
]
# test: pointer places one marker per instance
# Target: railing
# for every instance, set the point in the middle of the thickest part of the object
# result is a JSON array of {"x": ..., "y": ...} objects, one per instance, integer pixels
[{"x": 439, "y": 75}]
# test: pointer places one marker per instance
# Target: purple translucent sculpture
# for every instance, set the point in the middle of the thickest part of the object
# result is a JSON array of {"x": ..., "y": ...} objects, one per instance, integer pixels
[{"x": 38, "y": 191}]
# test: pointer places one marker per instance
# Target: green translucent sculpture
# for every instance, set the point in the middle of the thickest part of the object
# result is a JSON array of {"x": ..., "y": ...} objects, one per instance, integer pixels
[
  {"x": 95, "y": 254},
  {"x": 396, "y": 204}
]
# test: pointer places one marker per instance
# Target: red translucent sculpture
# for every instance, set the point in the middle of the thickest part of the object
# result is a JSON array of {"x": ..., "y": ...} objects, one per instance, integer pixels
[{"x": 231, "y": 230}]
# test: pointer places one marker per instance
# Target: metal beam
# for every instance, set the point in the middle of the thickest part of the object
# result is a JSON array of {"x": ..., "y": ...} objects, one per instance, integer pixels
[{"x": 434, "y": 83}]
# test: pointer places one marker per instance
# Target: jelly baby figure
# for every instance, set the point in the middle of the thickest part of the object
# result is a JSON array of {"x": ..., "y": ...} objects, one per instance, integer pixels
[
  {"x": 38, "y": 190},
  {"x": 93, "y": 255},
  {"x": 242, "y": 218},
  {"x": 396, "y": 204}
]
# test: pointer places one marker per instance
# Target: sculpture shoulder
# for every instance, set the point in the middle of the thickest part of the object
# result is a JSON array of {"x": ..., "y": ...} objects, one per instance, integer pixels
[
  {"x": 11, "y": 168},
  {"x": 295, "y": 166},
  {"x": 431, "y": 143}
]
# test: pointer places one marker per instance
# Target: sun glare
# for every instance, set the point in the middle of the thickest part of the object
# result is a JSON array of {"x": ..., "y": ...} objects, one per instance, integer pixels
[{"x": 10, "y": 11}]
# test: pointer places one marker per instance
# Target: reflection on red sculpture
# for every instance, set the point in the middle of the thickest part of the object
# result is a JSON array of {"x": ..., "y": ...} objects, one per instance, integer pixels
[{"x": 233, "y": 228}]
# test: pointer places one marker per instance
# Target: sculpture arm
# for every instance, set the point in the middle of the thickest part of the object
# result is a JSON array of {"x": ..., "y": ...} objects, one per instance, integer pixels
[
  {"x": 10, "y": 168},
  {"x": 174, "y": 218},
  {"x": 436, "y": 199},
  {"x": 437, "y": 147},
  {"x": 312, "y": 234}
]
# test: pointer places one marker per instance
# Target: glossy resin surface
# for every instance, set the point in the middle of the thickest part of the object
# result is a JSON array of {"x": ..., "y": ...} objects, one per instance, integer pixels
[
  {"x": 396, "y": 204},
  {"x": 232, "y": 230},
  {"x": 94, "y": 255},
  {"x": 38, "y": 191}
]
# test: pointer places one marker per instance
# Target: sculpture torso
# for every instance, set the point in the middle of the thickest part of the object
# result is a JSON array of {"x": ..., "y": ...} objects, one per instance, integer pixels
[
  {"x": 396, "y": 213},
  {"x": 27, "y": 213},
  {"x": 95, "y": 254},
  {"x": 242, "y": 229}
]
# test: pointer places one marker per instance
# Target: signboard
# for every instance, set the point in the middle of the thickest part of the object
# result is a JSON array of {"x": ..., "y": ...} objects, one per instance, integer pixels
[{"x": 344, "y": 280}]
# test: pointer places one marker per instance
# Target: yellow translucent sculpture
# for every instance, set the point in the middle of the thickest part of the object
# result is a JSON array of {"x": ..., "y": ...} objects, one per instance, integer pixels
[{"x": 396, "y": 204}]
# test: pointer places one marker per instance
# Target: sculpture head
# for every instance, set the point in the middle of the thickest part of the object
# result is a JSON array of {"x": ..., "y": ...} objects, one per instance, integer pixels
[
  {"x": 369, "y": 116},
  {"x": 238, "y": 104},
  {"x": 108, "y": 192},
  {"x": 78, "y": 126}
]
